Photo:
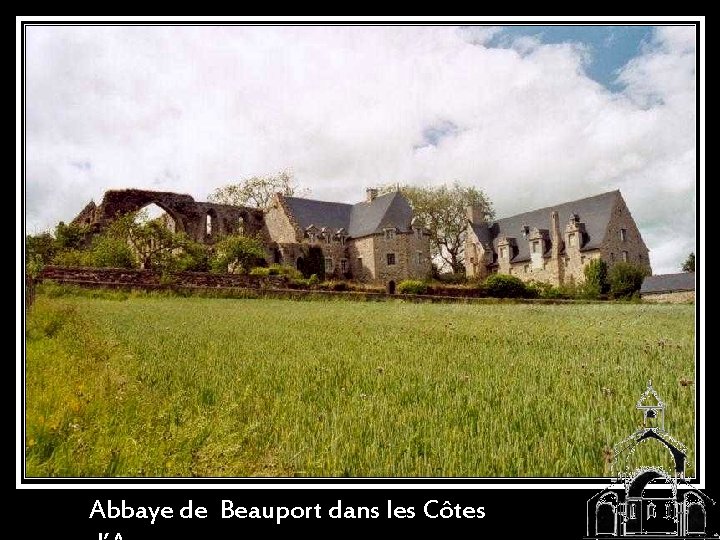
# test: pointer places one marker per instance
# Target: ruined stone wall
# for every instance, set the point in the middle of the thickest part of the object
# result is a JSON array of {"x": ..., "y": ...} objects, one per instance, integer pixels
[
  {"x": 613, "y": 246},
  {"x": 187, "y": 215},
  {"x": 150, "y": 278}
]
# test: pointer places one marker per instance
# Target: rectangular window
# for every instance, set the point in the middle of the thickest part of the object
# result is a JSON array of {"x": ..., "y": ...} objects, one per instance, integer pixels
[
  {"x": 582, "y": 259},
  {"x": 571, "y": 240},
  {"x": 419, "y": 258},
  {"x": 612, "y": 256},
  {"x": 328, "y": 238},
  {"x": 536, "y": 247},
  {"x": 419, "y": 233},
  {"x": 360, "y": 262},
  {"x": 343, "y": 265},
  {"x": 328, "y": 264},
  {"x": 526, "y": 268},
  {"x": 503, "y": 252},
  {"x": 623, "y": 235},
  {"x": 390, "y": 259},
  {"x": 625, "y": 256},
  {"x": 389, "y": 234},
  {"x": 311, "y": 237}
]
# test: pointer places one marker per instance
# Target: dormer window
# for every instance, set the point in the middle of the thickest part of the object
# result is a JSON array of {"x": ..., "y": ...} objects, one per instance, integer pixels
[
  {"x": 311, "y": 237},
  {"x": 572, "y": 241},
  {"x": 503, "y": 252},
  {"x": 389, "y": 234},
  {"x": 340, "y": 233},
  {"x": 419, "y": 232},
  {"x": 536, "y": 246}
]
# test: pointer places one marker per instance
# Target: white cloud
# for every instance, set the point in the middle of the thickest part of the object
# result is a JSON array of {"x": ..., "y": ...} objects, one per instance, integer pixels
[{"x": 191, "y": 108}]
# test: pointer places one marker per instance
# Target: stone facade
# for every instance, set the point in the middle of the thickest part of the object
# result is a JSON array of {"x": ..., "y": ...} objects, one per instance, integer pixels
[
  {"x": 676, "y": 297},
  {"x": 627, "y": 246},
  {"x": 555, "y": 244},
  {"x": 390, "y": 250},
  {"x": 372, "y": 241}
]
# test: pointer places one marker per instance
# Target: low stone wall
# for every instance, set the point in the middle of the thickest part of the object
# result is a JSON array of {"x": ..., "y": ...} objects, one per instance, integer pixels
[
  {"x": 245, "y": 286},
  {"x": 678, "y": 297},
  {"x": 154, "y": 279}
]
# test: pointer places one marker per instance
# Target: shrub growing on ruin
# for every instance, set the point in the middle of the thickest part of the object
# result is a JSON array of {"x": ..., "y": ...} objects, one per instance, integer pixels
[
  {"x": 412, "y": 286},
  {"x": 237, "y": 254},
  {"x": 505, "y": 286}
]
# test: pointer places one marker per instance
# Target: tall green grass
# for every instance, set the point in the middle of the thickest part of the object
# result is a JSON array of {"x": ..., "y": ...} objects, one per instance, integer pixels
[{"x": 162, "y": 386}]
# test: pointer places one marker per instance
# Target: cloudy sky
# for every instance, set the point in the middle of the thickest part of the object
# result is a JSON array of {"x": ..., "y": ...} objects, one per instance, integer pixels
[{"x": 533, "y": 115}]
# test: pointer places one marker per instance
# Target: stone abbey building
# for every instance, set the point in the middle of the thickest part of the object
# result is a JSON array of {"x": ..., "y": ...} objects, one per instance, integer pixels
[
  {"x": 554, "y": 244},
  {"x": 375, "y": 240}
]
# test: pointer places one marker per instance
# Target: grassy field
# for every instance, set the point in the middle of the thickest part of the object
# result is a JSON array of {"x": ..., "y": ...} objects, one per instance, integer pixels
[{"x": 162, "y": 386}]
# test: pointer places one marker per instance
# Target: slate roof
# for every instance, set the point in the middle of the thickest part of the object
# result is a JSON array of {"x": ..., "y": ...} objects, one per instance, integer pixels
[
  {"x": 595, "y": 212},
  {"x": 662, "y": 283},
  {"x": 361, "y": 219}
]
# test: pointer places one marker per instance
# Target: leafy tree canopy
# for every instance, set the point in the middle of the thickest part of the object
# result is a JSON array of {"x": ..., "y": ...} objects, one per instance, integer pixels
[
  {"x": 442, "y": 210},
  {"x": 257, "y": 191}
]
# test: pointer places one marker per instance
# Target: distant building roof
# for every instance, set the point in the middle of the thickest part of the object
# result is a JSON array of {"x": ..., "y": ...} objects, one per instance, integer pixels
[
  {"x": 663, "y": 283},
  {"x": 361, "y": 219},
  {"x": 595, "y": 212}
]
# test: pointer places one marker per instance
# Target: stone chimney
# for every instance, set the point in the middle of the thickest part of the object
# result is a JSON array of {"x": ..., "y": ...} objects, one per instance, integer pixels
[
  {"x": 371, "y": 194},
  {"x": 555, "y": 237},
  {"x": 557, "y": 266},
  {"x": 475, "y": 214}
]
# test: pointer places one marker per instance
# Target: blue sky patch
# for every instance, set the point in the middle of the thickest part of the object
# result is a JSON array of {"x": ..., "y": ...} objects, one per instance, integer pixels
[
  {"x": 610, "y": 47},
  {"x": 434, "y": 133}
]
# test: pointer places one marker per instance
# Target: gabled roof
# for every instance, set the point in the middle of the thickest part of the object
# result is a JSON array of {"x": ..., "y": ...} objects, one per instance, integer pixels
[
  {"x": 361, "y": 219},
  {"x": 595, "y": 212},
  {"x": 662, "y": 283},
  {"x": 319, "y": 213},
  {"x": 389, "y": 210}
]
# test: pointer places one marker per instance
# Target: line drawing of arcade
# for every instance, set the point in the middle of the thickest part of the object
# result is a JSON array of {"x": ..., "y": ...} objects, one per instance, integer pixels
[{"x": 653, "y": 502}]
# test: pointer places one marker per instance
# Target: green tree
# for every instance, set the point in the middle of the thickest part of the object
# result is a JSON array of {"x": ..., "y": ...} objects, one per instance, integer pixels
[
  {"x": 71, "y": 236},
  {"x": 442, "y": 211},
  {"x": 257, "y": 191},
  {"x": 237, "y": 254},
  {"x": 626, "y": 279},
  {"x": 107, "y": 251},
  {"x": 40, "y": 247},
  {"x": 596, "y": 278},
  {"x": 689, "y": 264},
  {"x": 152, "y": 242}
]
